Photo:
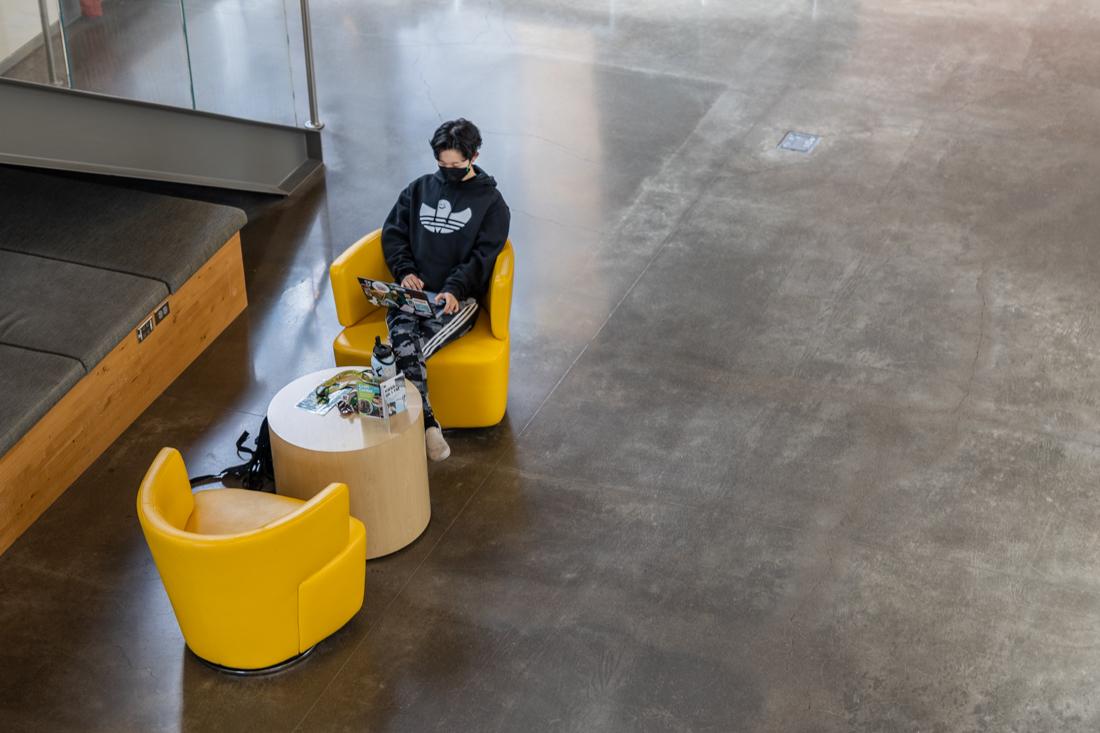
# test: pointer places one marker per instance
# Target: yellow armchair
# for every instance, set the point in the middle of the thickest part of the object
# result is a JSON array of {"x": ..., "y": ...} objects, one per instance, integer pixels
[
  {"x": 255, "y": 579},
  {"x": 468, "y": 378}
]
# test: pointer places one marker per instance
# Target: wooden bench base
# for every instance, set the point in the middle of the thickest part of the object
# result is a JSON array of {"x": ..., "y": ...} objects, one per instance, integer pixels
[{"x": 96, "y": 411}]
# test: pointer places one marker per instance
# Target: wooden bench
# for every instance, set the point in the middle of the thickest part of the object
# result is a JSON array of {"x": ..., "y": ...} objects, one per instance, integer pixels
[{"x": 106, "y": 296}]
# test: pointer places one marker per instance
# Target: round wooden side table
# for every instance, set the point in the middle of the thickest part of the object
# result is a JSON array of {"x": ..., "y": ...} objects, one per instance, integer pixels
[{"x": 384, "y": 466}]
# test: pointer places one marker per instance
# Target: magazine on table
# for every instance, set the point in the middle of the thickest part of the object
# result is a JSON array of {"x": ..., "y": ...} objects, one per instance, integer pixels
[
  {"x": 328, "y": 393},
  {"x": 407, "y": 300},
  {"x": 382, "y": 399},
  {"x": 369, "y": 395},
  {"x": 393, "y": 395},
  {"x": 357, "y": 391}
]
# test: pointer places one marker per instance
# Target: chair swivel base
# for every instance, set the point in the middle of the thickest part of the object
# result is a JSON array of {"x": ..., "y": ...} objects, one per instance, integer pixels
[{"x": 286, "y": 663}]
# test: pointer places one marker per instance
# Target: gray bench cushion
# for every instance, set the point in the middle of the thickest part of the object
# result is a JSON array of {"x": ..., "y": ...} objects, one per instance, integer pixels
[
  {"x": 72, "y": 310},
  {"x": 161, "y": 237},
  {"x": 30, "y": 384}
]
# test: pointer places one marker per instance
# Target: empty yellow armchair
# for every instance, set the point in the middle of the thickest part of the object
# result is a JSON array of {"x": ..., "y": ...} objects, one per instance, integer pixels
[
  {"x": 468, "y": 378},
  {"x": 255, "y": 579}
]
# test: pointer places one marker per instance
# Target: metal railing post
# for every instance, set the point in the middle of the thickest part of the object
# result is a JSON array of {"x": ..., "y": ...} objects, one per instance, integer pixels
[
  {"x": 51, "y": 62},
  {"x": 64, "y": 46},
  {"x": 314, "y": 121}
]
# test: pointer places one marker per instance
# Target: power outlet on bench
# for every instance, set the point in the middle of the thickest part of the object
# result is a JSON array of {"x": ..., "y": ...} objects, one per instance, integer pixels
[
  {"x": 161, "y": 313},
  {"x": 144, "y": 330}
]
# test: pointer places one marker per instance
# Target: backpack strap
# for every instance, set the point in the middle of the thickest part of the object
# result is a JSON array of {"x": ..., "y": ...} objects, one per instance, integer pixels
[{"x": 256, "y": 473}]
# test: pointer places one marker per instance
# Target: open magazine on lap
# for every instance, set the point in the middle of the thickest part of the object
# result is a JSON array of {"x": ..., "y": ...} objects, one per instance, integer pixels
[{"x": 391, "y": 295}]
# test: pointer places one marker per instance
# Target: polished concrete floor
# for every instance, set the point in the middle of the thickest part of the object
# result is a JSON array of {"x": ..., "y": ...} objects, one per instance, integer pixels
[{"x": 794, "y": 442}]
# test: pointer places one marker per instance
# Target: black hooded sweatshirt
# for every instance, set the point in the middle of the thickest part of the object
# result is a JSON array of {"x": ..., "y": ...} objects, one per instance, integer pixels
[{"x": 448, "y": 234}]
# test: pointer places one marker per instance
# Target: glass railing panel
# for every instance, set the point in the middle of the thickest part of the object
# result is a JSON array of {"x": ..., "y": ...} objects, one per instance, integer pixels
[
  {"x": 129, "y": 48},
  {"x": 23, "y": 53},
  {"x": 242, "y": 58}
]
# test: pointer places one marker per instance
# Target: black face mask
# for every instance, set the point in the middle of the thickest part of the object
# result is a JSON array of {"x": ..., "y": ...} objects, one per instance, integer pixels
[{"x": 454, "y": 175}]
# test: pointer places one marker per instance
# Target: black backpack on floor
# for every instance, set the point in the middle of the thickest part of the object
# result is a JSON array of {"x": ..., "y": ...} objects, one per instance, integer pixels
[{"x": 255, "y": 474}]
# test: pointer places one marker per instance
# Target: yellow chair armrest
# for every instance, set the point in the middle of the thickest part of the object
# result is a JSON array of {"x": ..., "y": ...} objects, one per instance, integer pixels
[
  {"x": 332, "y": 595},
  {"x": 362, "y": 259},
  {"x": 305, "y": 539},
  {"x": 499, "y": 300}
]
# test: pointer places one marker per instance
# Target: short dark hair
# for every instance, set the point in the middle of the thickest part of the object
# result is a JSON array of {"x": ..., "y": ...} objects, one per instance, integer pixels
[{"x": 461, "y": 135}]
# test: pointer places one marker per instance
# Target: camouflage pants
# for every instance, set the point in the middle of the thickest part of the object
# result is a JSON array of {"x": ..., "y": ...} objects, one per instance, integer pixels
[{"x": 416, "y": 339}]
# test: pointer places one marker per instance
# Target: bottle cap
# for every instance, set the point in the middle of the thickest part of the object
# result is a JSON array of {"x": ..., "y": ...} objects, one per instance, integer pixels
[{"x": 381, "y": 350}]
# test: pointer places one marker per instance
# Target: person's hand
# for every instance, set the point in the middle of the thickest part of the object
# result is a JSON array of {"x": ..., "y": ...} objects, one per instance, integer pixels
[
  {"x": 451, "y": 303},
  {"x": 412, "y": 282}
]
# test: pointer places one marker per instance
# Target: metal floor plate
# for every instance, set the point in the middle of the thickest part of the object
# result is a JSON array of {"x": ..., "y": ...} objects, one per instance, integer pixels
[{"x": 799, "y": 142}]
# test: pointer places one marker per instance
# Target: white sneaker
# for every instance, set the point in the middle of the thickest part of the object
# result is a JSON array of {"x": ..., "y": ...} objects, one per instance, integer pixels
[{"x": 438, "y": 450}]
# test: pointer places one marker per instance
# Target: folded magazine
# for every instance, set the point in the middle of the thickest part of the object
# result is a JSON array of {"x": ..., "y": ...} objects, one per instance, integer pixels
[
  {"x": 382, "y": 399},
  {"x": 328, "y": 393}
]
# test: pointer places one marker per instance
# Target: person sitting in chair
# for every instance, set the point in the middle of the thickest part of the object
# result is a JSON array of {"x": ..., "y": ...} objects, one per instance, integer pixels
[{"x": 443, "y": 235}]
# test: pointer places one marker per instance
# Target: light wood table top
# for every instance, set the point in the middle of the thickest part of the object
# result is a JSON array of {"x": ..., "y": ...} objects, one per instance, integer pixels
[{"x": 334, "y": 433}]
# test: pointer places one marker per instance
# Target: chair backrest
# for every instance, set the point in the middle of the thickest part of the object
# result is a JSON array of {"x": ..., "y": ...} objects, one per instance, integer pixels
[
  {"x": 165, "y": 503},
  {"x": 165, "y": 494},
  {"x": 365, "y": 259},
  {"x": 362, "y": 259}
]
